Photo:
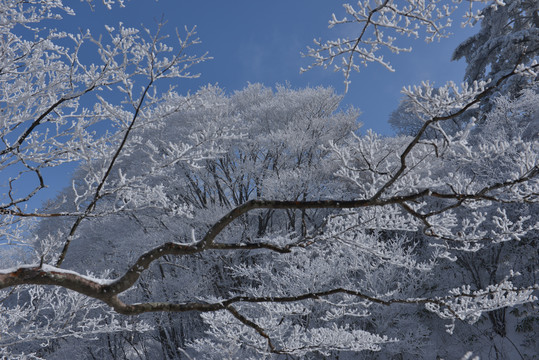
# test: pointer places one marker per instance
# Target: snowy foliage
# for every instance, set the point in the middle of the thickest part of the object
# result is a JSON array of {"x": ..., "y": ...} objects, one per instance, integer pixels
[
  {"x": 260, "y": 224},
  {"x": 378, "y": 23},
  {"x": 508, "y": 37},
  {"x": 376, "y": 26},
  {"x": 37, "y": 314}
]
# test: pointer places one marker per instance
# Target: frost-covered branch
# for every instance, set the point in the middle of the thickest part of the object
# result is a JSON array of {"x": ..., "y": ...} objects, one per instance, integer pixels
[
  {"x": 262, "y": 213},
  {"x": 375, "y": 27}
]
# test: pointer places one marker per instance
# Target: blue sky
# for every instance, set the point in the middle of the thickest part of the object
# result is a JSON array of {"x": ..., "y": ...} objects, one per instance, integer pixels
[{"x": 261, "y": 41}]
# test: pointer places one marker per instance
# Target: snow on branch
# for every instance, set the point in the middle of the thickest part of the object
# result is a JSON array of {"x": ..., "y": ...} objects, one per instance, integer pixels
[{"x": 377, "y": 23}]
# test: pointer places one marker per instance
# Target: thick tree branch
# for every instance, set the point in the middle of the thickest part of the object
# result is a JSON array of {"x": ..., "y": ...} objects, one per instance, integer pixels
[
  {"x": 208, "y": 242},
  {"x": 48, "y": 275},
  {"x": 253, "y": 326}
]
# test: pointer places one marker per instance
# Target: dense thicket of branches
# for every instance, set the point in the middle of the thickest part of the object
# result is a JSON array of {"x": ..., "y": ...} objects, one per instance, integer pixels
[{"x": 260, "y": 224}]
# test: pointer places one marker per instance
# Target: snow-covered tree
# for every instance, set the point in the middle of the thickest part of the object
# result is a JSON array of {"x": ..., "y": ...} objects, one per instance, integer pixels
[
  {"x": 508, "y": 38},
  {"x": 274, "y": 154},
  {"x": 258, "y": 224},
  {"x": 405, "y": 120},
  {"x": 54, "y": 112}
]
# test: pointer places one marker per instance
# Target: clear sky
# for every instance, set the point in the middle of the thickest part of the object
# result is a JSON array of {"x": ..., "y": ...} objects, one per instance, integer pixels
[{"x": 261, "y": 41}]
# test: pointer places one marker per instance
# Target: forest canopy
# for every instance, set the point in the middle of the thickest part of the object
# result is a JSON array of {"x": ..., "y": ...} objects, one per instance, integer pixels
[{"x": 262, "y": 223}]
